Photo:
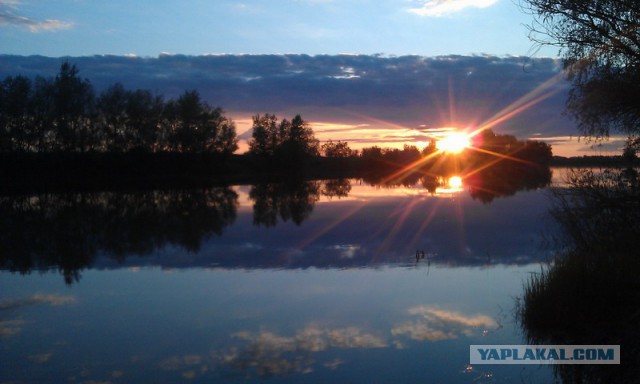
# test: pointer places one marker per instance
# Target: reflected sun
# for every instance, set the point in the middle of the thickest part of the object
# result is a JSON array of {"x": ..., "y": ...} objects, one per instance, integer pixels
[{"x": 454, "y": 142}]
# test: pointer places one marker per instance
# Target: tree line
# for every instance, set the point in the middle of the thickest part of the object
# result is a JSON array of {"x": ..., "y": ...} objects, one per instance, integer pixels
[{"x": 64, "y": 114}]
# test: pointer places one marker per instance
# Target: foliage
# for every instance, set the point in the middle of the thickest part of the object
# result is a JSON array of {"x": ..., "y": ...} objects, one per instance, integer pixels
[
  {"x": 529, "y": 150},
  {"x": 600, "y": 44},
  {"x": 600, "y": 211},
  {"x": 283, "y": 140},
  {"x": 64, "y": 114},
  {"x": 339, "y": 149},
  {"x": 390, "y": 157},
  {"x": 591, "y": 293},
  {"x": 430, "y": 149}
]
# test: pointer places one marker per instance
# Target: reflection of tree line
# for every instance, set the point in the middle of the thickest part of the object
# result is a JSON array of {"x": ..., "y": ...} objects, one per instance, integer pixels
[
  {"x": 591, "y": 293},
  {"x": 67, "y": 231},
  {"x": 292, "y": 200},
  {"x": 288, "y": 200},
  {"x": 484, "y": 185}
]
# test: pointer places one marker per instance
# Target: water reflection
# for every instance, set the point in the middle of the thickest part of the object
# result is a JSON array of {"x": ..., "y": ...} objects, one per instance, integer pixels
[
  {"x": 484, "y": 185},
  {"x": 496, "y": 182},
  {"x": 590, "y": 295},
  {"x": 265, "y": 353},
  {"x": 73, "y": 231},
  {"x": 292, "y": 199},
  {"x": 68, "y": 231}
]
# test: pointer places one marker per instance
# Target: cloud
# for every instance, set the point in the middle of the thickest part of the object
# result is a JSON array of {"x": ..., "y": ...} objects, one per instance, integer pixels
[
  {"x": 437, "y": 324},
  {"x": 13, "y": 327},
  {"x": 270, "y": 354},
  {"x": 39, "y": 298},
  {"x": 10, "y": 327},
  {"x": 266, "y": 354},
  {"x": 40, "y": 358},
  {"x": 8, "y": 17},
  {"x": 437, "y": 8},
  {"x": 421, "y": 332},
  {"x": 367, "y": 92}
]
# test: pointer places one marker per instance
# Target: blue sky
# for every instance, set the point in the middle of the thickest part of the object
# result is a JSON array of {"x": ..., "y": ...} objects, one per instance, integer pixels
[{"x": 195, "y": 27}]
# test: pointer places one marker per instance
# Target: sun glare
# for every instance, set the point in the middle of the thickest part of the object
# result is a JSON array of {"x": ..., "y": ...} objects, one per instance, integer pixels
[
  {"x": 454, "y": 142},
  {"x": 455, "y": 182}
]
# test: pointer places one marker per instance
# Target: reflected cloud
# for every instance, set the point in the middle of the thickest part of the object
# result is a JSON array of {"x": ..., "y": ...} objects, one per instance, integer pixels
[
  {"x": 41, "y": 358},
  {"x": 51, "y": 299},
  {"x": 346, "y": 251},
  {"x": 438, "y": 324},
  {"x": 421, "y": 332},
  {"x": 192, "y": 366},
  {"x": 445, "y": 318},
  {"x": 271, "y": 354},
  {"x": 333, "y": 364},
  {"x": 11, "y": 327}
]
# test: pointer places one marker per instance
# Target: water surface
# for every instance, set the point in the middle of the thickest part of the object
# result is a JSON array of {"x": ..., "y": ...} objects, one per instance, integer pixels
[{"x": 314, "y": 281}]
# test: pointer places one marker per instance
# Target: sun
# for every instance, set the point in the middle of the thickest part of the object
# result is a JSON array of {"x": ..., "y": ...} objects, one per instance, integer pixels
[
  {"x": 453, "y": 142},
  {"x": 455, "y": 182}
]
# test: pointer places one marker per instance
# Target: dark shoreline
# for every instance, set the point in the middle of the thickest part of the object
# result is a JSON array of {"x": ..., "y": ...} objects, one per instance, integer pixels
[
  {"x": 33, "y": 172},
  {"x": 99, "y": 171},
  {"x": 592, "y": 161}
]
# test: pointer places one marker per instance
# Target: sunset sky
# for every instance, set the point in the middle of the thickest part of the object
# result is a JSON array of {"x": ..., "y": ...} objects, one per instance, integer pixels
[{"x": 342, "y": 64}]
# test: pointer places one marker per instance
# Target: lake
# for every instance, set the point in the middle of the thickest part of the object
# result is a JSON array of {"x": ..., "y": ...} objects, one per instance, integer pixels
[{"x": 308, "y": 281}]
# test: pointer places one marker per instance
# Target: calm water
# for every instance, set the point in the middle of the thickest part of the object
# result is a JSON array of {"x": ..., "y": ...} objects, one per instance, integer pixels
[{"x": 297, "y": 282}]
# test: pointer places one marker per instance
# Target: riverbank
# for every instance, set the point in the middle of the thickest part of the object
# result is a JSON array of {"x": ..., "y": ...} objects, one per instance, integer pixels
[
  {"x": 91, "y": 171},
  {"x": 592, "y": 161}
]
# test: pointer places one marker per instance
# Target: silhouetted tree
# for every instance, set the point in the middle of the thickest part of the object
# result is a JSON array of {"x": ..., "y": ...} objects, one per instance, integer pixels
[
  {"x": 600, "y": 44},
  {"x": 590, "y": 294},
  {"x": 73, "y": 100},
  {"x": 16, "y": 132},
  {"x": 429, "y": 149},
  {"x": 299, "y": 141},
  {"x": 265, "y": 135},
  {"x": 371, "y": 153},
  {"x": 112, "y": 110},
  {"x": 630, "y": 151},
  {"x": 189, "y": 122},
  {"x": 287, "y": 141},
  {"x": 144, "y": 113},
  {"x": 338, "y": 149},
  {"x": 535, "y": 152},
  {"x": 63, "y": 115},
  {"x": 42, "y": 115}
]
